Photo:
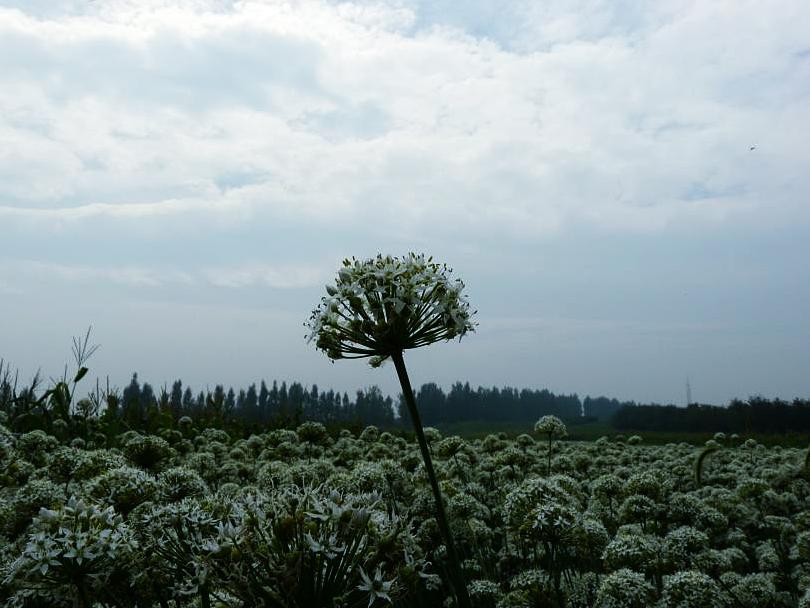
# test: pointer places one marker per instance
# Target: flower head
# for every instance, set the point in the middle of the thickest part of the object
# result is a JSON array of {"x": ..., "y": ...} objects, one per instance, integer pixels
[
  {"x": 551, "y": 426},
  {"x": 376, "y": 587},
  {"x": 387, "y": 304}
]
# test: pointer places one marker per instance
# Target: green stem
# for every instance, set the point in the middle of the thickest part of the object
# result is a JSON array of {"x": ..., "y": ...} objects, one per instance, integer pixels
[
  {"x": 441, "y": 516},
  {"x": 205, "y": 599},
  {"x": 82, "y": 599}
]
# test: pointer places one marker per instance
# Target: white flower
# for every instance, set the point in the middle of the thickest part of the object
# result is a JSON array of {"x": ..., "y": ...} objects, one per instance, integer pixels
[
  {"x": 691, "y": 589},
  {"x": 551, "y": 426},
  {"x": 388, "y": 304},
  {"x": 624, "y": 589},
  {"x": 376, "y": 587}
]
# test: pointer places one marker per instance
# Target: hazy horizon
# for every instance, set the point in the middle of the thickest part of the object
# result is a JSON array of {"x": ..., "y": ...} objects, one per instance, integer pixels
[{"x": 622, "y": 186}]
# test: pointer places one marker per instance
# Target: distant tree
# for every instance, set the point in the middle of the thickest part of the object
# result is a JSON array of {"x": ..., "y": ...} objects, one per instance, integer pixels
[
  {"x": 147, "y": 398},
  {"x": 230, "y": 403},
  {"x": 283, "y": 401},
  {"x": 264, "y": 403},
  {"x": 176, "y": 399},
  {"x": 601, "y": 408},
  {"x": 131, "y": 403},
  {"x": 431, "y": 401},
  {"x": 188, "y": 402},
  {"x": 312, "y": 405},
  {"x": 274, "y": 401},
  {"x": 250, "y": 405},
  {"x": 215, "y": 405}
]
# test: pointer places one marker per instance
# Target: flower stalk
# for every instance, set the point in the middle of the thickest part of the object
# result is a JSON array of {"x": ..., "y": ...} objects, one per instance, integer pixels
[{"x": 441, "y": 515}]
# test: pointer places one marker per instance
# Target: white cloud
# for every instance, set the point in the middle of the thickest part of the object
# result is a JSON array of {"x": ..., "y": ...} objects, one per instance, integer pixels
[
  {"x": 281, "y": 276},
  {"x": 332, "y": 112},
  {"x": 131, "y": 276}
]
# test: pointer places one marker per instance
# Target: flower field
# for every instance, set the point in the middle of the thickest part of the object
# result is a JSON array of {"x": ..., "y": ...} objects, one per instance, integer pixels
[{"x": 300, "y": 518}]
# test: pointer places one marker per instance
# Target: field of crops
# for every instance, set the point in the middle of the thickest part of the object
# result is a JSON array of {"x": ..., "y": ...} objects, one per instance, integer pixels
[{"x": 300, "y": 518}]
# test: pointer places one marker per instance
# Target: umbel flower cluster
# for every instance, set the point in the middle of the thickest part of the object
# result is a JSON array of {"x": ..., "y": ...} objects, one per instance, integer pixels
[
  {"x": 551, "y": 427},
  {"x": 306, "y": 517},
  {"x": 387, "y": 304}
]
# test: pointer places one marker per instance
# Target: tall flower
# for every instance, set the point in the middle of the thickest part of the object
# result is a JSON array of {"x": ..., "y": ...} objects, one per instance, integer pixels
[
  {"x": 379, "y": 308},
  {"x": 385, "y": 305},
  {"x": 553, "y": 428}
]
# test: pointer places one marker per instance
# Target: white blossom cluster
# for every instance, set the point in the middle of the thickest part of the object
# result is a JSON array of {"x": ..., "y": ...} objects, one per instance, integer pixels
[
  {"x": 311, "y": 517},
  {"x": 551, "y": 426},
  {"x": 70, "y": 551},
  {"x": 388, "y": 304}
]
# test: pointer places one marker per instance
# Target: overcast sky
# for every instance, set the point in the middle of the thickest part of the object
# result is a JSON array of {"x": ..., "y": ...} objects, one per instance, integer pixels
[{"x": 186, "y": 177}]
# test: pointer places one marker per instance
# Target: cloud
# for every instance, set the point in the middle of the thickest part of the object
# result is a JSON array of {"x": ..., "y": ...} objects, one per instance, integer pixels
[
  {"x": 527, "y": 122},
  {"x": 282, "y": 276},
  {"x": 130, "y": 276}
]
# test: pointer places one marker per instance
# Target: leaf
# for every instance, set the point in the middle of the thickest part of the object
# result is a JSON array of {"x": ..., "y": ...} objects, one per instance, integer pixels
[
  {"x": 80, "y": 374},
  {"x": 45, "y": 395}
]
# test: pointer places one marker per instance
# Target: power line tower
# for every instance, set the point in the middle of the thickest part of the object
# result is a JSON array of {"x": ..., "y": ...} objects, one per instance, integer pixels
[{"x": 688, "y": 392}]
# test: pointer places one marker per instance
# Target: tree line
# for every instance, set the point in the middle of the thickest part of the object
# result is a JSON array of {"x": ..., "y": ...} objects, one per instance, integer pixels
[
  {"x": 139, "y": 406},
  {"x": 260, "y": 406},
  {"x": 755, "y": 415},
  {"x": 464, "y": 403},
  {"x": 279, "y": 404}
]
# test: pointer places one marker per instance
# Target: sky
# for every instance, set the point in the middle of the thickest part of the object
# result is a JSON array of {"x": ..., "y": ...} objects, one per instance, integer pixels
[{"x": 623, "y": 185}]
